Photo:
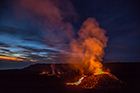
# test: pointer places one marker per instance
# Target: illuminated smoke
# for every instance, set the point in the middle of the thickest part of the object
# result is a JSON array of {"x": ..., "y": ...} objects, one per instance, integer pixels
[
  {"x": 88, "y": 49},
  {"x": 52, "y": 67}
]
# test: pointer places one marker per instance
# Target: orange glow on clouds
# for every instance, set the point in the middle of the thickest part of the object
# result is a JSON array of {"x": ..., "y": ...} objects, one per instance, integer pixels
[
  {"x": 11, "y": 58},
  {"x": 16, "y": 59}
]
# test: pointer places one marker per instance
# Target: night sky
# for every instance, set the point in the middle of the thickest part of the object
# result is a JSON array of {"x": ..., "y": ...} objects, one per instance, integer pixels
[{"x": 40, "y": 30}]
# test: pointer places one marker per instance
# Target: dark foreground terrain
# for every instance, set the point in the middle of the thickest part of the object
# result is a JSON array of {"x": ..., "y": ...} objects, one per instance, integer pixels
[{"x": 28, "y": 80}]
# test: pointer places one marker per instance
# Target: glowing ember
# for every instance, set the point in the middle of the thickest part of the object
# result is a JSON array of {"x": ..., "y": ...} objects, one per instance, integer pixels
[
  {"x": 43, "y": 73},
  {"x": 58, "y": 74},
  {"x": 78, "y": 82}
]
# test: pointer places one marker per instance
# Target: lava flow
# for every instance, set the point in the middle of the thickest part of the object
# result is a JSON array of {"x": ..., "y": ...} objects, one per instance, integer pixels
[
  {"x": 78, "y": 82},
  {"x": 99, "y": 71}
]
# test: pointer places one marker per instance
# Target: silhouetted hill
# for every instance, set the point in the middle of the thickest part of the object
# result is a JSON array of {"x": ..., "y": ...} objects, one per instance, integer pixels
[{"x": 47, "y": 67}]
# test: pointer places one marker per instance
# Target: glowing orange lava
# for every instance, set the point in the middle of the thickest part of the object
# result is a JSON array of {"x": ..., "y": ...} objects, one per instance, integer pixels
[
  {"x": 100, "y": 71},
  {"x": 76, "y": 83},
  {"x": 58, "y": 74}
]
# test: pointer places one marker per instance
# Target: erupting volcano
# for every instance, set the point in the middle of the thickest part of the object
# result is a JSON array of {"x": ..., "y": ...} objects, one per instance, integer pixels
[
  {"x": 86, "y": 53},
  {"x": 102, "y": 80},
  {"x": 88, "y": 50}
]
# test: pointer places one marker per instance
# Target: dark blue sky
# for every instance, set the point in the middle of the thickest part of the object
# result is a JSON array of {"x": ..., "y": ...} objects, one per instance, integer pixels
[{"x": 34, "y": 30}]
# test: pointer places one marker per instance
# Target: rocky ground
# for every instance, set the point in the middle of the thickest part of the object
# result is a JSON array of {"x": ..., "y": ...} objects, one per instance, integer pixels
[{"x": 28, "y": 80}]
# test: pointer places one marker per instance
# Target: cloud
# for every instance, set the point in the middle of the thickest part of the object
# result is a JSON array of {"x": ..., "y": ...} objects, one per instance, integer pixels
[
  {"x": 4, "y": 45},
  {"x": 38, "y": 50},
  {"x": 24, "y": 44},
  {"x": 6, "y": 50},
  {"x": 46, "y": 27},
  {"x": 40, "y": 55},
  {"x": 30, "y": 35}
]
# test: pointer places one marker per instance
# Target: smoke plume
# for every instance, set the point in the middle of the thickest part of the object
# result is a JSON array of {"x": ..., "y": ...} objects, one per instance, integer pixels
[
  {"x": 54, "y": 18},
  {"x": 88, "y": 48}
]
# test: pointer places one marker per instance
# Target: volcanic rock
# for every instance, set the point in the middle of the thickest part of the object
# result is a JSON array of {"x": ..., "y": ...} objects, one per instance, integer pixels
[{"x": 101, "y": 81}]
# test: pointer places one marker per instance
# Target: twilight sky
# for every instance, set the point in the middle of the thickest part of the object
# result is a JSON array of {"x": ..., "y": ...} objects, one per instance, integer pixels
[{"x": 41, "y": 30}]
